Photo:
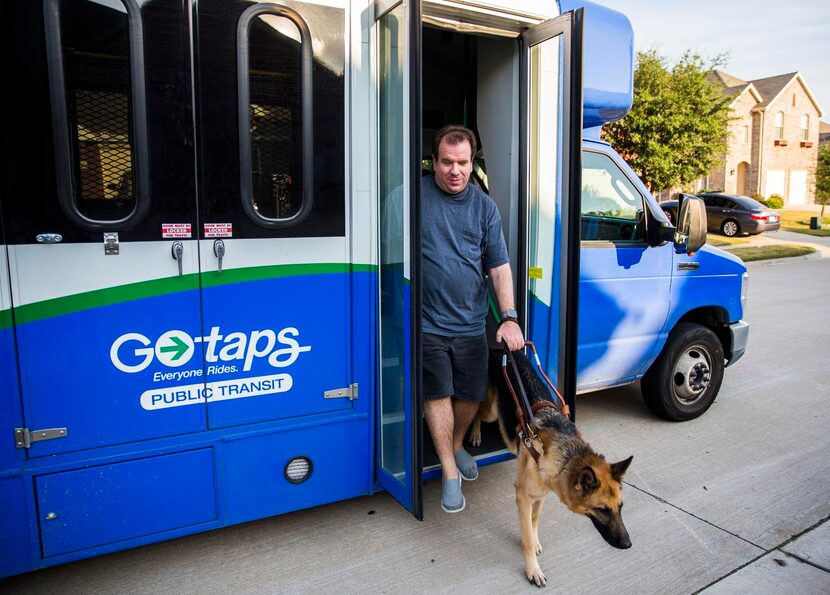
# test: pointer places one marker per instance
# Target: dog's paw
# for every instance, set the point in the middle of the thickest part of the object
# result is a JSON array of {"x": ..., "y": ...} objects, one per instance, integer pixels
[
  {"x": 535, "y": 575},
  {"x": 475, "y": 438},
  {"x": 538, "y": 547}
]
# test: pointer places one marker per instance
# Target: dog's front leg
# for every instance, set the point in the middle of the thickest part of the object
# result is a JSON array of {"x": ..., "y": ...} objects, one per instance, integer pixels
[
  {"x": 537, "y": 511},
  {"x": 525, "y": 505}
]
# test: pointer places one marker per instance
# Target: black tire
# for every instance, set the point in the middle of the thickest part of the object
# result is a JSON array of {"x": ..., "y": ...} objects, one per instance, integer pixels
[
  {"x": 669, "y": 216},
  {"x": 730, "y": 228},
  {"x": 684, "y": 380}
]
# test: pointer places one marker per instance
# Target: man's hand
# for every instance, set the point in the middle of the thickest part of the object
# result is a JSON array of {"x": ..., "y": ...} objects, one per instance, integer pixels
[{"x": 511, "y": 333}]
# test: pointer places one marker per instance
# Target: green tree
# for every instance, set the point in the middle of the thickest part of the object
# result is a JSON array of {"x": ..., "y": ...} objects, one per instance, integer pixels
[
  {"x": 823, "y": 177},
  {"x": 676, "y": 130}
]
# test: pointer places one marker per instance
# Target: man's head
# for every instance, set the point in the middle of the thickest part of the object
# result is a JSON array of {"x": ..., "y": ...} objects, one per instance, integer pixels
[{"x": 453, "y": 149}]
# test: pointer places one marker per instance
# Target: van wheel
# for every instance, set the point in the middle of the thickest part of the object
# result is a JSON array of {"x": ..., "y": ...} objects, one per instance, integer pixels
[
  {"x": 685, "y": 379},
  {"x": 730, "y": 228}
]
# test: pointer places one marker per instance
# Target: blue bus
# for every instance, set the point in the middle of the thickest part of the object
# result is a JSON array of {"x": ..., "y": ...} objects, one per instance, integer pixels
[{"x": 210, "y": 296}]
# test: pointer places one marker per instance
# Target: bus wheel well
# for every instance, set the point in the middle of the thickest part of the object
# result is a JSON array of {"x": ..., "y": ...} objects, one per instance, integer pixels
[{"x": 713, "y": 318}]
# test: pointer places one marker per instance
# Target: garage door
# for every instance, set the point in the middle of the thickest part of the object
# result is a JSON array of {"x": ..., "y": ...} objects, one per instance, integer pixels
[{"x": 798, "y": 188}]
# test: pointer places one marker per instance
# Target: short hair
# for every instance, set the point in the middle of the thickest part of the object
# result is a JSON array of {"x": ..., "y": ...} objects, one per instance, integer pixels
[{"x": 454, "y": 135}]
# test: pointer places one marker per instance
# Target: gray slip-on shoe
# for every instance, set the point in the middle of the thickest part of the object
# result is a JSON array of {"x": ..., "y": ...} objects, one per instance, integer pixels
[
  {"x": 452, "y": 500},
  {"x": 466, "y": 465}
]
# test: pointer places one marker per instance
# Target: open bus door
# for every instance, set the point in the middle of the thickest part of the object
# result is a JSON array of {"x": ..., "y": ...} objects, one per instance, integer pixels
[
  {"x": 398, "y": 92},
  {"x": 549, "y": 104},
  {"x": 551, "y": 166}
]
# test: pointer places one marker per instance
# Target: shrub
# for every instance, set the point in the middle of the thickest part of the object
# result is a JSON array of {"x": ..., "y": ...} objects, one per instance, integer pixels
[
  {"x": 760, "y": 198},
  {"x": 775, "y": 201}
]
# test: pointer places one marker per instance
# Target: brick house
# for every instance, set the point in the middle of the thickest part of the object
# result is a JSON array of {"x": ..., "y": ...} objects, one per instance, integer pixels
[
  {"x": 823, "y": 133},
  {"x": 773, "y": 138}
]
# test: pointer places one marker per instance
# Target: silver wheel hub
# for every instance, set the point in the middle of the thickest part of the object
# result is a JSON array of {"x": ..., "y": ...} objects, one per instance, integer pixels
[
  {"x": 692, "y": 374},
  {"x": 730, "y": 229}
]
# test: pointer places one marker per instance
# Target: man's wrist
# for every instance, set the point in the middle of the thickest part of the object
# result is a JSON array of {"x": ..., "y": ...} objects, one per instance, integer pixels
[{"x": 509, "y": 314}]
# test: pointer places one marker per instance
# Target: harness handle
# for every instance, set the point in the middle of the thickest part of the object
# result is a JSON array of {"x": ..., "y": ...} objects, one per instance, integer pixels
[
  {"x": 525, "y": 430},
  {"x": 566, "y": 411}
]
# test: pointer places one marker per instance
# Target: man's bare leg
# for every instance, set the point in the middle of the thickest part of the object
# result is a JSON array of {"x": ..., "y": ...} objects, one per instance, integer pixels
[
  {"x": 440, "y": 421},
  {"x": 464, "y": 412}
]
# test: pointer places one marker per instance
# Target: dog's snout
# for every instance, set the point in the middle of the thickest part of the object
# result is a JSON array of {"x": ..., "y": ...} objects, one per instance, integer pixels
[{"x": 624, "y": 543}]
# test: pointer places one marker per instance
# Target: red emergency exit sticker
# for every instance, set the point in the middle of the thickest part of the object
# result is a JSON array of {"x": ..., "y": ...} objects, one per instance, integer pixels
[
  {"x": 218, "y": 230},
  {"x": 175, "y": 230}
]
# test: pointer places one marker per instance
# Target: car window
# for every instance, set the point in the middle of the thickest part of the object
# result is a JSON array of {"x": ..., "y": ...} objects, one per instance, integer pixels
[
  {"x": 713, "y": 201},
  {"x": 731, "y": 204},
  {"x": 612, "y": 208}
]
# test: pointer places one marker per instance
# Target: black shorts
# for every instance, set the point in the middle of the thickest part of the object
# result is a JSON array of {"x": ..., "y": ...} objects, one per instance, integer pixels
[{"x": 455, "y": 367}]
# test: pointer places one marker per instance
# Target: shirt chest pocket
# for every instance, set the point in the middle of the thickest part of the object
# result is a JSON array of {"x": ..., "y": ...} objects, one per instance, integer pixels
[{"x": 472, "y": 243}]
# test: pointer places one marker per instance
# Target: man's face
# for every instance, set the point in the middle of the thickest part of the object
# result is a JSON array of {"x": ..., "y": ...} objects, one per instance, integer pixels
[{"x": 453, "y": 166}]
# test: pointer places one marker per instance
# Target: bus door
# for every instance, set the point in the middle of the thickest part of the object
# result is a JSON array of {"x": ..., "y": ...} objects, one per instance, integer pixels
[
  {"x": 550, "y": 149},
  {"x": 397, "y": 34},
  {"x": 275, "y": 255},
  {"x": 98, "y": 210}
]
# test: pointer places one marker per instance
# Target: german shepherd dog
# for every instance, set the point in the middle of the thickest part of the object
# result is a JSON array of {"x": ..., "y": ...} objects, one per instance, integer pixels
[{"x": 585, "y": 483}]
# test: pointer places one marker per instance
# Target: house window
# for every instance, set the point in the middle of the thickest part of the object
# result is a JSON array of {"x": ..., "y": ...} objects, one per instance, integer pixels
[
  {"x": 805, "y": 127},
  {"x": 745, "y": 134},
  {"x": 779, "y": 125}
]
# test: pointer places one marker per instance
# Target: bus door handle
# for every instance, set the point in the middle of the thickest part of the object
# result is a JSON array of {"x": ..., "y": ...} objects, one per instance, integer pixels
[
  {"x": 177, "y": 252},
  {"x": 219, "y": 251}
]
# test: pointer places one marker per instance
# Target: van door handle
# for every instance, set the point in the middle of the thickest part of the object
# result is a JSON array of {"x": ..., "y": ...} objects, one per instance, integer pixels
[
  {"x": 219, "y": 251},
  {"x": 177, "y": 252}
]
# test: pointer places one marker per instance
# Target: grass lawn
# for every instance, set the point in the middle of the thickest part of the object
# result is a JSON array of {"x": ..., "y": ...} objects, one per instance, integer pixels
[
  {"x": 800, "y": 221},
  {"x": 720, "y": 241},
  {"x": 750, "y": 253}
]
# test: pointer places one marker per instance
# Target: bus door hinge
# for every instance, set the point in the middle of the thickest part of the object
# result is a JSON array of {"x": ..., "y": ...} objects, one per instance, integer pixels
[
  {"x": 23, "y": 437},
  {"x": 350, "y": 392}
]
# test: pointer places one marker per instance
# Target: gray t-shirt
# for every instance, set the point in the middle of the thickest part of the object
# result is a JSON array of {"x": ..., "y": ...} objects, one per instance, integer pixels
[{"x": 461, "y": 239}]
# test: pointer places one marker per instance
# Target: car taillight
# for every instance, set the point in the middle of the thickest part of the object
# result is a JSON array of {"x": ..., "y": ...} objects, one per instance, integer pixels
[{"x": 759, "y": 216}]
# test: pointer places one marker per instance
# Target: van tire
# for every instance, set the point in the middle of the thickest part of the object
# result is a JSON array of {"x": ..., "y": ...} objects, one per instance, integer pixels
[{"x": 684, "y": 380}]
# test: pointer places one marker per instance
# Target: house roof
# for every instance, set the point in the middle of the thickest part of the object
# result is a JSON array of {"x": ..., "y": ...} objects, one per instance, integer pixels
[
  {"x": 727, "y": 80},
  {"x": 773, "y": 86},
  {"x": 733, "y": 86},
  {"x": 823, "y": 127}
]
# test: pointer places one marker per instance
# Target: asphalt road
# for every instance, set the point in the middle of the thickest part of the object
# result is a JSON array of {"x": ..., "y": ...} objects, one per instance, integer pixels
[{"x": 733, "y": 502}]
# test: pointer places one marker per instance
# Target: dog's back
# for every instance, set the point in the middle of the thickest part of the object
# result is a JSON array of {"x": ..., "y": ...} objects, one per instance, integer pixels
[{"x": 536, "y": 391}]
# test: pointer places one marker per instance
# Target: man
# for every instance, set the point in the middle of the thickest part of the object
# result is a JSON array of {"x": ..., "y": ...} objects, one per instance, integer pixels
[{"x": 461, "y": 239}]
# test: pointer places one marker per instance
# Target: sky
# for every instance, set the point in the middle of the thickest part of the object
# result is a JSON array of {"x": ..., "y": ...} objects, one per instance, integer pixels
[{"x": 761, "y": 37}]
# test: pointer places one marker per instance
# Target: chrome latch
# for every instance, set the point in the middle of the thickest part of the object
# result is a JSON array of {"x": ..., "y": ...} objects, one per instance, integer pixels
[
  {"x": 219, "y": 252},
  {"x": 49, "y": 238},
  {"x": 111, "y": 243},
  {"x": 24, "y": 438},
  {"x": 350, "y": 392},
  {"x": 177, "y": 252}
]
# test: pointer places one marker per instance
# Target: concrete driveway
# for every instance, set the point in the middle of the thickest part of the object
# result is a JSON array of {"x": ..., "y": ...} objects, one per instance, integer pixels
[{"x": 734, "y": 502}]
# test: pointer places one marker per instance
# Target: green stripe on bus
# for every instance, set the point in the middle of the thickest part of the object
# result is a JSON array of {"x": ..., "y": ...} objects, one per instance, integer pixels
[{"x": 146, "y": 289}]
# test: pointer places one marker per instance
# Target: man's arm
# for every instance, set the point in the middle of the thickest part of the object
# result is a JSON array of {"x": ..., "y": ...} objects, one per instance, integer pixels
[{"x": 510, "y": 331}]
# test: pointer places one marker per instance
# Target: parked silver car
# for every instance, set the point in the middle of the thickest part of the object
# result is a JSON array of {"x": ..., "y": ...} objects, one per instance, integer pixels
[{"x": 732, "y": 214}]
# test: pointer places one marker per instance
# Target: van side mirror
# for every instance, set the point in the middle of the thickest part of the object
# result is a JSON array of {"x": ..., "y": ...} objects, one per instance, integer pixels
[{"x": 690, "y": 233}]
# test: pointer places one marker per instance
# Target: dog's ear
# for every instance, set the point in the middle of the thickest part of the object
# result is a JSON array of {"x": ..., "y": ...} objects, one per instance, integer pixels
[
  {"x": 619, "y": 469},
  {"x": 587, "y": 480}
]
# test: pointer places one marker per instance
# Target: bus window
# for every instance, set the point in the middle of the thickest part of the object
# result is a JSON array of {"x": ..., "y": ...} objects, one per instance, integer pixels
[
  {"x": 275, "y": 105},
  {"x": 98, "y": 110}
]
